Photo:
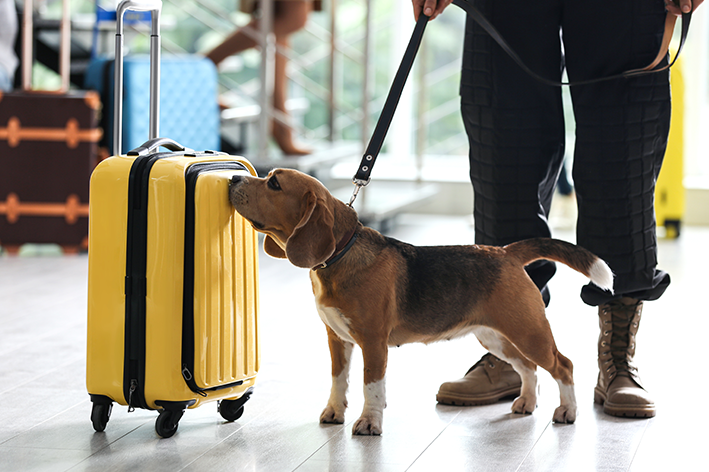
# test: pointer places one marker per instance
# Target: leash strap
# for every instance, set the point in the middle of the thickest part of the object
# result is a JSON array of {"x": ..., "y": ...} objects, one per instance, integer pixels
[
  {"x": 364, "y": 171},
  {"x": 361, "y": 178},
  {"x": 478, "y": 17}
]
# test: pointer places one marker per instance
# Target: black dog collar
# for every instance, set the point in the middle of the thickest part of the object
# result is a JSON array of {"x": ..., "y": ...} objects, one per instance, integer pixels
[{"x": 341, "y": 249}]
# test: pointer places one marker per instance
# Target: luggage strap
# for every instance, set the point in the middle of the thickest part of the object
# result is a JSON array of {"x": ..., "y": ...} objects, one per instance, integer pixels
[{"x": 364, "y": 171}]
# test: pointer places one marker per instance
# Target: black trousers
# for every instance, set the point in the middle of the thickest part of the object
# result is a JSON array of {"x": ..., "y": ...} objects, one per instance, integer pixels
[{"x": 515, "y": 127}]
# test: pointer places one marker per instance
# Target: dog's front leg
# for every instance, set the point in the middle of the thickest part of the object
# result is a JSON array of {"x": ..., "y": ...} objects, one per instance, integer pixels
[
  {"x": 375, "y": 361},
  {"x": 340, "y": 353}
]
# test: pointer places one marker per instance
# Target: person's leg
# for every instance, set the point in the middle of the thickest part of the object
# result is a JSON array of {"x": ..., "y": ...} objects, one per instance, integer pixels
[
  {"x": 621, "y": 136},
  {"x": 515, "y": 125},
  {"x": 281, "y": 130},
  {"x": 240, "y": 40},
  {"x": 515, "y": 128},
  {"x": 289, "y": 16}
]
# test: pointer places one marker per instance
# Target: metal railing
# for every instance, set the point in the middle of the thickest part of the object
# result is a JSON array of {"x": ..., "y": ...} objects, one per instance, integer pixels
[{"x": 341, "y": 53}]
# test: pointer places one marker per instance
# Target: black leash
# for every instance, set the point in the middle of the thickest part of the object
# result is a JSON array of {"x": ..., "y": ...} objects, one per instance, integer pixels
[
  {"x": 364, "y": 171},
  {"x": 361, "y": 179}
]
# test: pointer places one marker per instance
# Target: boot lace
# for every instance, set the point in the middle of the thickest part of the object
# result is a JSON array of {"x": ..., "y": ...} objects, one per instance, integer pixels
[
  {"x": 621, "y": 327},
  {"x": 488, "y": 362}
]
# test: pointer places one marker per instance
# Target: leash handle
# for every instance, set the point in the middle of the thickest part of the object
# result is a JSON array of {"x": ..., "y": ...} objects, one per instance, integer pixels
[
  {"x": 478, "y": 17},
  {"x": 361, "y": 178}
]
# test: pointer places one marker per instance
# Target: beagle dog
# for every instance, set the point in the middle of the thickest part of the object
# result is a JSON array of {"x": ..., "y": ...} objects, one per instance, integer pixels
[{"x": 378, "y": 292}]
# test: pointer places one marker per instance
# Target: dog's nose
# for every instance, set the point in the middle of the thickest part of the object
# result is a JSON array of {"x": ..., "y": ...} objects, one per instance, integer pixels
[{"x": 236, "y": 179}]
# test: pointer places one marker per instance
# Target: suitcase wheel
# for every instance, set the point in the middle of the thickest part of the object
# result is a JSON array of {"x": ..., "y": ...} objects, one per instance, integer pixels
[
  {"x": 169, "y": 417},
  {"x": 99, "y": 416},
  {"x": 167, "y": 422},
  {"x": 100, "y": 412},
  {"x": 231, "y": 410}
]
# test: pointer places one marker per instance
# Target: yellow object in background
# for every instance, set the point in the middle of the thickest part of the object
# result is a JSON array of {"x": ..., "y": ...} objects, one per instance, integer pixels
[{"x": 669, "y": 189}]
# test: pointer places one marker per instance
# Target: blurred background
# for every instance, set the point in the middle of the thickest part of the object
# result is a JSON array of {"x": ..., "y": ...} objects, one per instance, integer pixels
[{"x": 339, "y": 69}]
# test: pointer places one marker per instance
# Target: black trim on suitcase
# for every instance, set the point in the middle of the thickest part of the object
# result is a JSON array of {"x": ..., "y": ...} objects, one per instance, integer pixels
[
  {"x": 136, "y": 283},
  {"x": 188, "y": 342}
]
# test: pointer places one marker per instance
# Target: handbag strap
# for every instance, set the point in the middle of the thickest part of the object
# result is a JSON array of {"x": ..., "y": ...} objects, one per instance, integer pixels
[{"x": 364, "y": 171}]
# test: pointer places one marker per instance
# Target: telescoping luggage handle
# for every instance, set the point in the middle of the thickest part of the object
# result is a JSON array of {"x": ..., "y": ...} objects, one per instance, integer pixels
[
  {"x": 155, "y": 7},
  {"x": 362, "y": 177}
]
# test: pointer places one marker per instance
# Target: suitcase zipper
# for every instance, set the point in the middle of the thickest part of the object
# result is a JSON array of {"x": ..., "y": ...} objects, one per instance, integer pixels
[
  {"x": 188, "y": 342},
  {"x": 136, "y": 283},
  {"x": 133, "y": 388}
]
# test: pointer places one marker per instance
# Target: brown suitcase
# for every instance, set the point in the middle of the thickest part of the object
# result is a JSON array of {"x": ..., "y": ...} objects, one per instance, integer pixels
[{"x": 48, "y": 149}]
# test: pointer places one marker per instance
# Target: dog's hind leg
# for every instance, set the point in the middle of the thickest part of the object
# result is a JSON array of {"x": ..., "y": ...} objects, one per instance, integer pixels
[
  {"x": 501, "y": 347},
  {"x": 340, "y": 353},
  {"x": 561, "y": 369},
  {"x": 536, "y": 343},
  {"x": 566, "y": 412}
]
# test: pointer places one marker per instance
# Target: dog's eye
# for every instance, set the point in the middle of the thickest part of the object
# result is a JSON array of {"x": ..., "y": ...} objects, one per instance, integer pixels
[{"x": 273, "y": 183}]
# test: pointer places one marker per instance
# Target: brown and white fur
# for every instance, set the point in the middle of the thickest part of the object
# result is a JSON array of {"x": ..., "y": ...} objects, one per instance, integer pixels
[{"x": 383, "y": 292}]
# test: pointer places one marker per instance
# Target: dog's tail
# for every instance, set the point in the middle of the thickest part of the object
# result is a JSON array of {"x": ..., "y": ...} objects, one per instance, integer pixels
[{"x": 576, "y": 257}]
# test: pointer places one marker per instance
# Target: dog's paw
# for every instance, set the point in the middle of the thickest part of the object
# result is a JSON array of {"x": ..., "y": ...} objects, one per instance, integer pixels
[
  {"x": 524, "y": 405},
  {"x": 564, "y": 415},
  {"x": 367, "y": 426},
  {"x": 332, "y": 416}
]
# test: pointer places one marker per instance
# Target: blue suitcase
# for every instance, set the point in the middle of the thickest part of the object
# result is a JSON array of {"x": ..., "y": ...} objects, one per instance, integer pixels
[{"x": 189, "y": 112}]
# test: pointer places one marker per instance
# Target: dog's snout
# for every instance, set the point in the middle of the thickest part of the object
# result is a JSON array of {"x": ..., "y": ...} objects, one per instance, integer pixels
[
  {"x": 237, "y": 196},
  {"x": 236, "y": 179}
]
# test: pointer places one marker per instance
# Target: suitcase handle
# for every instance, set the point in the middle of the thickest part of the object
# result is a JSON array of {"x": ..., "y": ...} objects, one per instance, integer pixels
[
  {"x": 155, "y": 7},
  {"x": 149, "y": 146}
]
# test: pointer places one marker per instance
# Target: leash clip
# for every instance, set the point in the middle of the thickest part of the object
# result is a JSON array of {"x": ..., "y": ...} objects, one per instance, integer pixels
[{"x": 358, "y": 183}]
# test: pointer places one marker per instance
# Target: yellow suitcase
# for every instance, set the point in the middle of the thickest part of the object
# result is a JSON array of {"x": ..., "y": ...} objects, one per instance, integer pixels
[{"x": 173, "y": 285}]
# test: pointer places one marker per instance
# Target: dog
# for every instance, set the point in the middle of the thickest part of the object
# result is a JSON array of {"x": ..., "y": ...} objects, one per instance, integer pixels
[{"x": 378, "y": 292}]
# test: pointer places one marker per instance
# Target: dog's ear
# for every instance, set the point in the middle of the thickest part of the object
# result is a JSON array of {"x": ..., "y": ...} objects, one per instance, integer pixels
[
  {"x": 312, "y": 242},
  {"x": 272, "y": 248}
]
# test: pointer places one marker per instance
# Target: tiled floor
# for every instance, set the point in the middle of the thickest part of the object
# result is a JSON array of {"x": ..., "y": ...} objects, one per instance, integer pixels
[{"x": 44, "y": 407}]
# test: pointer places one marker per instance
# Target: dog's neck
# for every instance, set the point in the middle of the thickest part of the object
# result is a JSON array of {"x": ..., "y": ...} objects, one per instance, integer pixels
[
  {"x": 344, "y": 245},
  {"x": 345, "y": 217}
]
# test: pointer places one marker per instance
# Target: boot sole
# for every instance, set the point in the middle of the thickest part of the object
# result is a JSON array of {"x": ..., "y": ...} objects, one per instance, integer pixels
[
  {"x": 470, "y": 400},
  {"x": 623, "y": 411}
]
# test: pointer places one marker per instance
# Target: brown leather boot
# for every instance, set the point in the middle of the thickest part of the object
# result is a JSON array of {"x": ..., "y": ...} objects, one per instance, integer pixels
[
  {"x": 619, "y": 389},
  {"x": 488, "y": 381}
]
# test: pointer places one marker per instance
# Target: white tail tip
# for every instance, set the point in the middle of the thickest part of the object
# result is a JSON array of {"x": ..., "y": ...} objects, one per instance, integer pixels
[{"x": 601, "y": 275}]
